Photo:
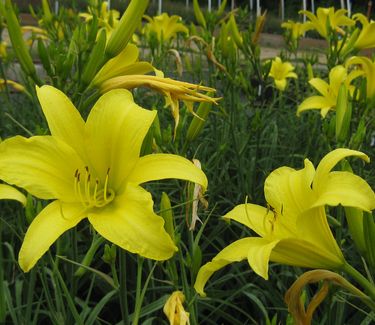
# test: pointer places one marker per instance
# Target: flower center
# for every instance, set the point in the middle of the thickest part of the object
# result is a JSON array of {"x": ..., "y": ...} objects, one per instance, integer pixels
[{"x": 92, "y": 192}]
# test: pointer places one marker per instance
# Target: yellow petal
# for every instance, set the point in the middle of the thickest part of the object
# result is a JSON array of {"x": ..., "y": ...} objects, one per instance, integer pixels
[
  {"x": 234, "y": 252},
  {"x": 162, "y": 166},
  {"x": 252, "y": 216},
  {"x": 42, "y": 165},
  {"x": 115, "y": 130},
  {"x": 10, "y": 193},
  {"x": 259, "y": 255},
  {"x": 130, "y": 222},
  {"x": 48, "y": 225},
  {"x": 330, "y": 160},
  {"x": 346, "y": 189},
  {"x": 314, "y": 102},
  {"x": 64, "y": 120},
  {"x": 280, "y": 84},
  {"x": 320, "y": 85}
]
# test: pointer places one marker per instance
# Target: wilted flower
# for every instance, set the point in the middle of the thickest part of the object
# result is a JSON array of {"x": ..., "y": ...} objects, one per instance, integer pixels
[{"x": 174, "y": 309}]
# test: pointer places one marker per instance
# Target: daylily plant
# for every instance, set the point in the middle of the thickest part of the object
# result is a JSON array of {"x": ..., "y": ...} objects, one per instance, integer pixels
[
  {"x": 327, "y": 18},
  {"x": 93, "y": 170},
  {"x": 329, "y": 92},
  {"x": 296, "y": 29},
  {"x": 366, "y": 37},
  {"x": 280, "y": 71},
  {"x": 293, "y": 228}
]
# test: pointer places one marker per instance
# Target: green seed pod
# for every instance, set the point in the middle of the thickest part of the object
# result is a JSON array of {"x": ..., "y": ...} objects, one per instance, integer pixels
[{"x": 126, "y": 27}]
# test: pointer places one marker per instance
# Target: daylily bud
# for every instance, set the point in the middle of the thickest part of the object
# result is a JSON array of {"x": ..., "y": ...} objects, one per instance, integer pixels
[
  {"x": 343, "y": 114},
  {"x": 354, "y": 218},
  {"x": 126, "y": 27},
  {"x": 95, "y": 59},
  {"x": 198, "y": 121},
  {"x": 18, "y": 43},
  {"x": 359, "y": 135},
  {"x": 198, "y": 14},
  {"x": 167, "y": 214},
  {"x": 234, "y": 31},
  {"x": 47, "y": 15},
  {"x": 109, "y": 255},
  {"x": 310, "y": 71},
  {"x": 259, "y": 24}
]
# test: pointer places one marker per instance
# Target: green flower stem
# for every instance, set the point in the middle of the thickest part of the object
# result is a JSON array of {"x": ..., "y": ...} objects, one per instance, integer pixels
[
  {"x": 366, "y": 284},
  {"x": 138, "y": 300},
  {"x": 123, "y": 293}
]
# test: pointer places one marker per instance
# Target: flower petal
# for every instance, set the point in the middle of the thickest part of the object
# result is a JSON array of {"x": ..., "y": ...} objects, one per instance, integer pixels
[
  {"x": 259, "y": 255},
  {"x": 280, "y": 84},
  {"x": 130, "y": 222},
  {"x": 10, "y": 193},
  {"x": 346, "y": 189},
  {"x": 115, "y": 130},
  {"x": 43, "y": 165},
  {"x": 329, "y": 161},
  {"x": 314, "y": 102},
  {"x": 48, "y": 225},
  {"x": 64, "y": 120},
  {"x": 252, "y": 216},
  {"x": 320, "y": 85},
  {"x": 161, "y": 166},
  {"x": 234, "y": 252}
]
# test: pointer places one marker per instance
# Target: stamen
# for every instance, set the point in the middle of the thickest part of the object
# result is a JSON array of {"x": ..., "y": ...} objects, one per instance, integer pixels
[
  {"x": 87, "y": 186},
  {"x": 106, "y": 186}
]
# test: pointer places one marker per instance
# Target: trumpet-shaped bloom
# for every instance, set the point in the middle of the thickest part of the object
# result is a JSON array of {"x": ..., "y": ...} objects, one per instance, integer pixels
[
  {"x": 174, "y": 309},
  {"x": 165, "y": 27},
  {"x": 368, "y": 68},
  {"x": 329, "y": 92},
  {"x": 93, "y": 170},
  {"x": 296, "y": 29},
  {"x": 327, "y": 17},
  {"x": 10, "y": 193},
  {"x": 280, "y": 71},
  {"x": 293, "y": 230},
  {"x": 366, "y": 37}
]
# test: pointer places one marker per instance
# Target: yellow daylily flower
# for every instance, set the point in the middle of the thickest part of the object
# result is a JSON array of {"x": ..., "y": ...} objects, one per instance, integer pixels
[
  {"x": 165, "y": 27},
  {"x": 10, "y": 193},
  {"x": 108, "y": 19},
  {"x": 293, "y": 230},
  {"x": 93, "y": 170},
  {"x": 366, "y": 37},
  {"x": 368, "y": 68},
  {"x": 125, "y": 63},
  {"x": 3, "y": 50},
  {"x": 325, "y": 17},
  {"x": 296, "y": 29},
  {"x": 329, "y": 92},
  {"x": 174, "y": 309},
  {"x": 280, "y": 71}
]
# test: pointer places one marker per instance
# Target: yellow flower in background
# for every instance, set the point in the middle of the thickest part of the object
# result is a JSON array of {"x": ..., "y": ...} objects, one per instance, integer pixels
[
  {"x": 93, "y": 170},
  {"x": 165, "y": 27},
  {"x": 293, "y": 230},
  {"x": 366, "y": 37},
  {"x": 108, "y": 19},
  {"x": 296, "y": 29},
  {"x": 174, "y": 309},
  {"x": 368, "y": 68},
  {"x": 329, "y": 92},
  {"x": 10, "y": 193},
  {"x": 280, "y": 71},
  {"x": 327, "y": 17},
  {"x": 3, "y": 50}
]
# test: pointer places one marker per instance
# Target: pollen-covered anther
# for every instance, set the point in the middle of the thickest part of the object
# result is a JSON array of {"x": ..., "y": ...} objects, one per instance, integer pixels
[{"x": 92, "y": 193}]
